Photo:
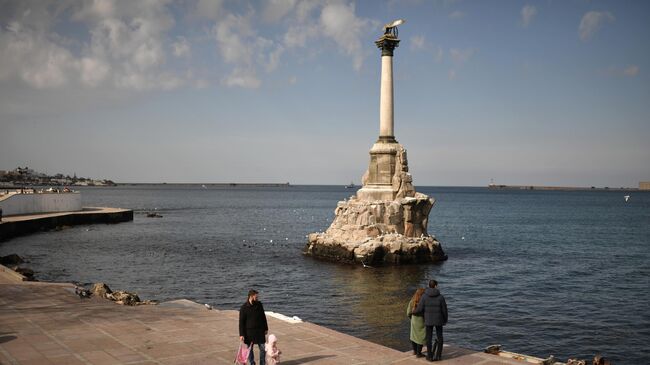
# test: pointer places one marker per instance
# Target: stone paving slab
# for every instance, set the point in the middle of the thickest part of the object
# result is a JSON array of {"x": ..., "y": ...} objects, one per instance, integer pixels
[{"x": 45, "y": 323}]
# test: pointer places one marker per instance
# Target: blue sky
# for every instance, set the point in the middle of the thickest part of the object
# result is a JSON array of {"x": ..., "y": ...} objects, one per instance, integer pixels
[{"x": 536, "y": 92}]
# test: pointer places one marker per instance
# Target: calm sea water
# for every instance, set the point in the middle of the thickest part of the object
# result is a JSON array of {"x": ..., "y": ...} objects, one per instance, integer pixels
[{"x": 540, "y": 272}]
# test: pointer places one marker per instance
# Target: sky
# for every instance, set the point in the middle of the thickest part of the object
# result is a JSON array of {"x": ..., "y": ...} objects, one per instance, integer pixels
[{"x": 515, "y": 92}]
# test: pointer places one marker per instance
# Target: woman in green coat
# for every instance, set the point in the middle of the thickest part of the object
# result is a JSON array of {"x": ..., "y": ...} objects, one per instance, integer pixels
[{"x": 417, "y": 324}]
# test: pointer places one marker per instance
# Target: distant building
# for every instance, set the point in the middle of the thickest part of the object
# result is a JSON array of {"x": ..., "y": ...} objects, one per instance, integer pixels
[{"x": 644, "y": 185}]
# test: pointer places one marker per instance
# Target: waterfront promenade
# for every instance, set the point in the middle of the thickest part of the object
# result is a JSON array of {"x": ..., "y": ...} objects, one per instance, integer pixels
[{"x": 46, "y": 323}]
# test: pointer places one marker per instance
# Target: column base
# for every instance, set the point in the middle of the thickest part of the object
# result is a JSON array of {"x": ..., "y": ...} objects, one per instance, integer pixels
[
  {"x": 372, "y": 192},
  {"x": 386, "y": 139}
]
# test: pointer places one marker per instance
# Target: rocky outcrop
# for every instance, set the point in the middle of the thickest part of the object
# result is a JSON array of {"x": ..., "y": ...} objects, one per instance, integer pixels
[
  {"x": 102, "y": 290},
  {"x": 382, "y": 223},
  {"x": 12, "y": 259}
]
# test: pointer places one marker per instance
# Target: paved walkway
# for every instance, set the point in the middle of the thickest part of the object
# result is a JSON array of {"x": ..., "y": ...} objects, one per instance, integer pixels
[{"x": 46, "y": 323}]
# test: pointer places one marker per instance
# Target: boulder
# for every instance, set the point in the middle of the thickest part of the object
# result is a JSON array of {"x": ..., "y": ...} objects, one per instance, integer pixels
[
  {"x": 123, "y": 297},
  {"x": 101, "y": 290},
  {"x": 27, "y": 273},
  {"x": 12, "y": 259}
]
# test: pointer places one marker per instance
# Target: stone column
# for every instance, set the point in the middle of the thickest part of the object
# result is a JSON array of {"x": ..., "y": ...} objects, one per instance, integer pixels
[{"x": 387, "y": 44}]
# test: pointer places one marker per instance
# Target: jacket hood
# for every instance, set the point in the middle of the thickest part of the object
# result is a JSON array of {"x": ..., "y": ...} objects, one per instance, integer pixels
[{"x": 432, "y": 292}]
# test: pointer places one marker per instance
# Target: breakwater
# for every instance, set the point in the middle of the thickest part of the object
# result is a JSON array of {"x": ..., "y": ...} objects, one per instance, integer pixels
[{"x": 25, "y": 224}]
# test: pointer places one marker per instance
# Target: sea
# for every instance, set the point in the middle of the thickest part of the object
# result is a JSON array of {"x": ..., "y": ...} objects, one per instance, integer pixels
[{"x": 565, "y": 273}]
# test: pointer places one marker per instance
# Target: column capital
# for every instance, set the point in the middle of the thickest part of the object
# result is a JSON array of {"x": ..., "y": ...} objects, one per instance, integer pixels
[{"x": 387, "y": 43}]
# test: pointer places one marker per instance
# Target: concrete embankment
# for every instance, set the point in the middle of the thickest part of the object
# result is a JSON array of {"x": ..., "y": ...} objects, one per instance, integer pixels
[
  {"x": 46, "y": 323},
  {"x": 18, "y": 225}
]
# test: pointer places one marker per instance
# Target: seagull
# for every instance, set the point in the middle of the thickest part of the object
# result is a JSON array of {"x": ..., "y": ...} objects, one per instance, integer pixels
[
  {"x": 462, "y": 238},
  {"x": 208, "y": 306},
  {"x": 626, "y": 197}
]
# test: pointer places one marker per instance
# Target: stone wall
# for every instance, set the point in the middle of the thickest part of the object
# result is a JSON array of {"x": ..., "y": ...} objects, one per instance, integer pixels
[{"x": 30, "y": 203}]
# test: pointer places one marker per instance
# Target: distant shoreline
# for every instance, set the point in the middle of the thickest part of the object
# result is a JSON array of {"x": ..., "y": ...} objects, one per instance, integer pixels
[
  {"x": 289, "y": 185},
  {"x": 558, "y": 188}
]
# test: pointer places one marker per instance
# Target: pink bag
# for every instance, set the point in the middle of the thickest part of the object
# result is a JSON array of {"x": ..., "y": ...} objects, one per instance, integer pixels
[{"x": 242, "y": 354}]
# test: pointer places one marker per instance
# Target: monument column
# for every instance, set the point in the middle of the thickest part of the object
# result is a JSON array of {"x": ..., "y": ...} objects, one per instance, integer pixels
[{"x": 387, "y": 44}]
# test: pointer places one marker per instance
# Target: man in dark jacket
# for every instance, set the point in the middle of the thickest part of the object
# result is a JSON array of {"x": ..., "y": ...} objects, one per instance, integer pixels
[
  {"x": 253, "y": 326},
  {"x": 434, "y": 308}
]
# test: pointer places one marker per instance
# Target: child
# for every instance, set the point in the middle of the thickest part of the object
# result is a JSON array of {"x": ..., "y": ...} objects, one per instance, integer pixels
[{"x": 272, "y": 352}]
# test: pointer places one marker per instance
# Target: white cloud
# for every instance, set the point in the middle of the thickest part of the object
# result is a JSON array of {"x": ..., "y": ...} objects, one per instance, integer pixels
[
  {"x": 93, "y": 71},
  {"x": 460, "y": 56},
  {"x": 122, "y": 45},
  {"x": 592, "y": 21},
  {"x": 241, "y": 47},
  {"x": 341, "y": 24},
  {"x": 244, "y": 78},
  {"x": 181, "y": 47},
  {"x": 34, "y": 58},
  {"x": 631, "y": 70},
  {"x": 418, "y": 42},
  {"x": 333, "y": 20},
  {"x": 209, "y": 9},
  {"x": 456, "y": 15},
  {"x": 528, "y": 12},
  {"x": 277, "y": 9}
]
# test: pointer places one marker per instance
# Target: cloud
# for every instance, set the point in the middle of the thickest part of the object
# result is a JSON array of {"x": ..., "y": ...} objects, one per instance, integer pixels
[
  {"x": 592, "y": 21},
  {"x": 33, "y": 58},
  {"x": 456, "y": 15},
  {"x": 181, "y": 47},
  {"x": 119, "y": 45},
  {"x": 244, "y": 78},
  {"x": 241, "y": 46},
  {"x": 342, "y": 25},
  {"x": 418, "y": 42},
  {"x": 208, "y": 9},
  {"x": 528, "y": 12},
  {"x": 277, "y": 9},
  {"x": 631, "y": 70},
  {"x": 461, "y": 56}
]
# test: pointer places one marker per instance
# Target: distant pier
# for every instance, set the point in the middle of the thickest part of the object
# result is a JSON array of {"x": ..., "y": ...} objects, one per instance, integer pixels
[{"x": 18, "y": 225}]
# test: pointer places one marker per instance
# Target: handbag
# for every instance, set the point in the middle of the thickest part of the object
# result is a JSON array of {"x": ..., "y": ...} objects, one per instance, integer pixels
[{"x": 241, "y": 358}]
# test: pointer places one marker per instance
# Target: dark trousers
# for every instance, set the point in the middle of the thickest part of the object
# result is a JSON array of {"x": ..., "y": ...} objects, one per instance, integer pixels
[
  {"x": 417, "y": 348},
  {"x": 434, "y": 351}
]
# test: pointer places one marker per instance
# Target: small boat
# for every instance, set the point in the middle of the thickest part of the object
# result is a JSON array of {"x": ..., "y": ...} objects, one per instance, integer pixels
[
  {"x": 626, "y": 197},
  {"x": 351, "y": 185},
  {"x": 154, "y": 215}
]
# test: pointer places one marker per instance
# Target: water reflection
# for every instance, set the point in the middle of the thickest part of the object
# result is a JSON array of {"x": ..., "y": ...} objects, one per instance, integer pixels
[{"x": 377, "y": 298}]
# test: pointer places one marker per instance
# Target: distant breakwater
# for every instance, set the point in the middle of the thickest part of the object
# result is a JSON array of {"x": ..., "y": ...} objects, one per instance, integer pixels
[{"x": 22, "y": 225}]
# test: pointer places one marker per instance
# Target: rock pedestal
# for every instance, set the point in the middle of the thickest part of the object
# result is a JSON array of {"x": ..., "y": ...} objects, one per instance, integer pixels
[
  {"x": 383, "y": 223},
  {"x": 386, "y": 221}
]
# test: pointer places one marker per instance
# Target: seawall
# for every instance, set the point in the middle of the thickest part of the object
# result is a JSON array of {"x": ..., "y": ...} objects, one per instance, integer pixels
[{"x": 14, "y": 226}]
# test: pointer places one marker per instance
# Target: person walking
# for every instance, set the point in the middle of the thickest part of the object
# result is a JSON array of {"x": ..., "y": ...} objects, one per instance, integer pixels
[
  {"x": 252, "y": 326},
  {"x": 418, "y": 333},
  {"x": 434, "y": 308}
]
